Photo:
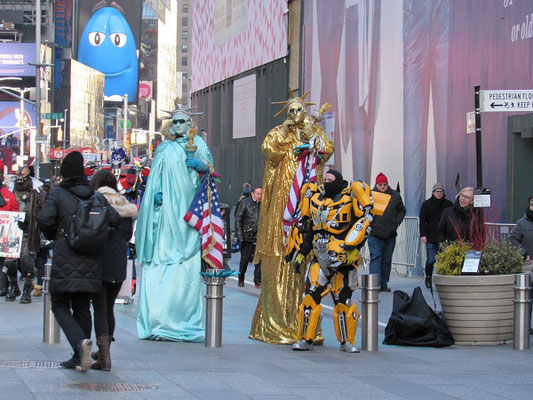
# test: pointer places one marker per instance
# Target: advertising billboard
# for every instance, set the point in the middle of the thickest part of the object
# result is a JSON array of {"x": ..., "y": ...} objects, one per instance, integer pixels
[
  {"x": 14, "y": 59},
  {"x": 108, "y": 41},
  {"x": 230, "y": 37}
]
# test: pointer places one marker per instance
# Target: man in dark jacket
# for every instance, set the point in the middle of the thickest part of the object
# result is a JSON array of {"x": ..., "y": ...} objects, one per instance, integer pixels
[
  {"x": 430, "y": 215},
  {"x": 382, "y": 237},
  {"x": 74, "y": 275},
  {"x": 246, "y": 221},
  {"x": 30, "y": 200}
]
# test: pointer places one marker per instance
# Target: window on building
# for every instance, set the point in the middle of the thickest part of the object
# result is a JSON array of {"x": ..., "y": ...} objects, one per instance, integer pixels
[
  {"x": 184, "y": 75},
  {"x": 185, "y": 21},
  {"x": 185, "y": 9},
  {"x": 185, "y": 35},
  {"x": 184, "y": 88},
  {"x": 183, "y": 61},
  {"x": 184, "y": 48}
]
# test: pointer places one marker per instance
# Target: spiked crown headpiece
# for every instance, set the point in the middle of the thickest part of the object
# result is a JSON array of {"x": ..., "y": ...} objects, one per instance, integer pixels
[{"x": 291, "y": 100}]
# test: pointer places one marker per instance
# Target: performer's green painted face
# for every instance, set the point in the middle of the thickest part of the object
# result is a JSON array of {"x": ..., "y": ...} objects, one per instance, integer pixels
[{"x": 181, "y": 123}]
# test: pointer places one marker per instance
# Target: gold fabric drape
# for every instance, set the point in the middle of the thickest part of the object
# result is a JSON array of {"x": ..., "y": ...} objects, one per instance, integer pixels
[{"x": 275, "y": 319}]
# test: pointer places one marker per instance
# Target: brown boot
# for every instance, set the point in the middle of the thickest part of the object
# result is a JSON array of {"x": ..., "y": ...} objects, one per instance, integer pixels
[{"x": 104, "y": 357}]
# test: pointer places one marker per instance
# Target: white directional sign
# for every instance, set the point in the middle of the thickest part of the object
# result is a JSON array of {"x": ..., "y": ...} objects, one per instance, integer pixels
[{"x": 506, "y": 100}]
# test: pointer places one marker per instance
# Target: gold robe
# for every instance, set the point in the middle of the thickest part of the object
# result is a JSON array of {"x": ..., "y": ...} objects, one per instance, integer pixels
[{"x": 276, "y": 315}]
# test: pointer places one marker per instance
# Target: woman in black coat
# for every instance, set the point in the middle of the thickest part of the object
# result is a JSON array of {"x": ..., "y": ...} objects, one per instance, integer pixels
[
  {"x": 462, "y": 221},
  {"x": 114, "y": 266},
  {"x": 74, "y": 276}
]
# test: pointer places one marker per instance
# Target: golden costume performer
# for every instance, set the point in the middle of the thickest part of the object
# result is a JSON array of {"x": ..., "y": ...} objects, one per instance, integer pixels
[
  {"x": 275, "y": 319},
  {"x": 335, "y": 222}
]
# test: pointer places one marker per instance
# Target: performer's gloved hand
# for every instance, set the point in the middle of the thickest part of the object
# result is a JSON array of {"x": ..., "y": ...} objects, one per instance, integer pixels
[
  {"x": 298, "y": 262},
  {"x": 158, "y": 199},
  {"x": 300, "y": 149},
  {"x": 196, "y": 164},
  {"x": 352, "y": 256}
]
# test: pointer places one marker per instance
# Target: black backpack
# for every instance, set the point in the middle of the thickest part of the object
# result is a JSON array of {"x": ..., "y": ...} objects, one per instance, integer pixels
[{"x": 88, "y": 229}]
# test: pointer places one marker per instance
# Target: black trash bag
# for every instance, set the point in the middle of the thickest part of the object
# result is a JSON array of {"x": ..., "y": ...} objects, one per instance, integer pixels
[{"x": 414, "y": 323}]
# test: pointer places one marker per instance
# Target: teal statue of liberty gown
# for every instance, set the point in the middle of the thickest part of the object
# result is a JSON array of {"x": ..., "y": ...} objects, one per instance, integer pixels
[{"x": 170, "y": 293}]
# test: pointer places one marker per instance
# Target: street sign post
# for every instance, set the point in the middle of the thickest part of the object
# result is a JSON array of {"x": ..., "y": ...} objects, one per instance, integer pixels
[
  {"x": 52, "y": 115},
  {"x": 506, "y": 100}
]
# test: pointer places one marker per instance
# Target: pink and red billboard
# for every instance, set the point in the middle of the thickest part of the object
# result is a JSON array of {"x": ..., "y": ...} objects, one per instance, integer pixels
[{"x": 230, "y": 37}]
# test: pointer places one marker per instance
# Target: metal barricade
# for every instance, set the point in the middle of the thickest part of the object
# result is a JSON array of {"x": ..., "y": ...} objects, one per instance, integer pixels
[
  {"x": 498, "y": 231},
  {"x": 407, "y": 248},
  {"x": 50, "y": 325}
]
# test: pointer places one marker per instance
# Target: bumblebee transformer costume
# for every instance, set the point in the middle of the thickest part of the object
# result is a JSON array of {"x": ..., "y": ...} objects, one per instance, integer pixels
[{"x": 334, "y": 224}]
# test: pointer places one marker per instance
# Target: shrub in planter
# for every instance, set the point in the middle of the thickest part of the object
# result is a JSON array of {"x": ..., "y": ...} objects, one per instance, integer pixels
[
  {"x": 478, "y": 309},
  {"x": 498, "y": 257}
]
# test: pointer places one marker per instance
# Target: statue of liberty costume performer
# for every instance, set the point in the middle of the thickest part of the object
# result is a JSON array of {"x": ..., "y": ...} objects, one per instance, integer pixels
[{"x": 170, "y": 298}]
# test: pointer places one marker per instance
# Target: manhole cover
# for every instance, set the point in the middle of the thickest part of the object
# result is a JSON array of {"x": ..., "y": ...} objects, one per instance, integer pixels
[
  {"x": 30, "y": 364},
  {"x": 111, "y": 387}
]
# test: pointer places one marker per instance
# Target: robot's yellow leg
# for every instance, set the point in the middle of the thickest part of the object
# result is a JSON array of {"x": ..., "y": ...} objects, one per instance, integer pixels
[
  {"x": 309, "y": 318},
  {"x": 345, "y": 319}
]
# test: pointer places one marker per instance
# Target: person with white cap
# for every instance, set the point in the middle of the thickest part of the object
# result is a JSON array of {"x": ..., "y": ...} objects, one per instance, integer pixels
[{"x": 430, "y": 215}]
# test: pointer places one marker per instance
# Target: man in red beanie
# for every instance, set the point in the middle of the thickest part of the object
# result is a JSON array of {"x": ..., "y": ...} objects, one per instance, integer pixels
[
  {"x": 382, "y": 237},
  {"x": 8, "y": 202}
]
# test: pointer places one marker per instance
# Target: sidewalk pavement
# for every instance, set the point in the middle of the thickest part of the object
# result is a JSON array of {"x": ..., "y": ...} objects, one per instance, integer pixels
[{"x": 247, "y": 369}]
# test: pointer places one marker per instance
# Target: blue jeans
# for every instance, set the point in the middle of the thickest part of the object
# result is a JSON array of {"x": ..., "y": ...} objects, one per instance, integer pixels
[
  {"x": 381, "y": 257},
  {"x": 431, "y": 251}
]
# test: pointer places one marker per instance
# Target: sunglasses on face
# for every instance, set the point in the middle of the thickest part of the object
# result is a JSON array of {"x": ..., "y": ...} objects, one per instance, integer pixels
[{"x": 179, "y": 121}]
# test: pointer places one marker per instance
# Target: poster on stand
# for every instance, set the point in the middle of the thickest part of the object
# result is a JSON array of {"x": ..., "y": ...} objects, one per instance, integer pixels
[{"x": 10, "y": 233}]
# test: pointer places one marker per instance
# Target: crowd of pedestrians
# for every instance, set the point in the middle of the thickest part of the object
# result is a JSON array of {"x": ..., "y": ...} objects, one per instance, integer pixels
[{"x": 83, "y": 271}]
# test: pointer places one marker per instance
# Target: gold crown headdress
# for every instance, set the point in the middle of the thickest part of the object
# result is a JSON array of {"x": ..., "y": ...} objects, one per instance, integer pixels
[{"x": 291, "y": 100}]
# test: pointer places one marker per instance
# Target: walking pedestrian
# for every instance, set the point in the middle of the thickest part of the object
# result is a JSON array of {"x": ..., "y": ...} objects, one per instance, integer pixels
[
  {"x": 75, "y": 275},
  {"x": 246, "y": 223},
  {"x": 114, "y": 266}
]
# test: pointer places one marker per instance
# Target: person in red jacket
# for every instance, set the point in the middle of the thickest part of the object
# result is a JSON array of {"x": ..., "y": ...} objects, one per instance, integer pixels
[{"x": 8, "y": 202}]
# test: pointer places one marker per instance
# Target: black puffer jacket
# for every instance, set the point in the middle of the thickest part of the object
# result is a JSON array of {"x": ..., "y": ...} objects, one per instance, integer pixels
[
  {"x": 116, "y": 253},
  {"x": 430, "y": 215},
  {"x": 246, "y": 219},
  {"x": 72, "y": 272},
  {"x": 385, "y": 226},
  {"x": 460, "y": 223}
]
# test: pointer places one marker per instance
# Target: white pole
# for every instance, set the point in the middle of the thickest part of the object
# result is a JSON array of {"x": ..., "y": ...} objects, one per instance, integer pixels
[{"x": 21, "y": 124}]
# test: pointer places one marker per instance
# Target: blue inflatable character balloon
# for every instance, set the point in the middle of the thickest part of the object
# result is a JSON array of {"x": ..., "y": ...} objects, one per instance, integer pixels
[{"x": 107, "y": 44}]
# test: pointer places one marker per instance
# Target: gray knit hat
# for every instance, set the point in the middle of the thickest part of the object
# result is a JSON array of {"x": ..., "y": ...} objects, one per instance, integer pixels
[{"x": 437, "y": 186}]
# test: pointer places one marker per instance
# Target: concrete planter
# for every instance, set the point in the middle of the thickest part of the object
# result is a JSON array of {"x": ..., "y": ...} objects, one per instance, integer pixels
[{"x": 478, "y": 308}]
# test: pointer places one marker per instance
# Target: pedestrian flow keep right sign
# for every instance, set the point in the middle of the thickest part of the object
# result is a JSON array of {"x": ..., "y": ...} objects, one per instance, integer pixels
[{"x": 506, "y": 100}]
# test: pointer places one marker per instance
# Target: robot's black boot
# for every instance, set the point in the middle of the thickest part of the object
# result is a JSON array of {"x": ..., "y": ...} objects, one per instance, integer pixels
[{"x": 26, "y": 294}]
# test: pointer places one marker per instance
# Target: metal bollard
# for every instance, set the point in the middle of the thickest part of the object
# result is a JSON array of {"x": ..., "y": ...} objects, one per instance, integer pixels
[
  {"x": 369, "y": 311},
  {"x": 522, "y": 300},
  {"x": 213, "y": 313},
  {"x": 50, "y": 325}
]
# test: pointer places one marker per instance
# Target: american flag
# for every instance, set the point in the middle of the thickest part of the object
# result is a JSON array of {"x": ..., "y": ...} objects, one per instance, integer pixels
[
  {"x": 306, "y": 172},
  {"x": 205, "y": 216}
]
